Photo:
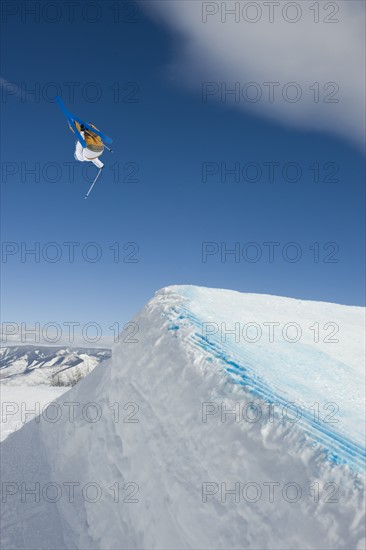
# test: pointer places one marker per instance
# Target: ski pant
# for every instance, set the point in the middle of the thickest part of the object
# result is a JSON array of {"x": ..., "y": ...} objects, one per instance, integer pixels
[{"x": 86, "y": 155}]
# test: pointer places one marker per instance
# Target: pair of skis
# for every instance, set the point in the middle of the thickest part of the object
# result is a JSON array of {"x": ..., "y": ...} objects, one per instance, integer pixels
[{"x": 71, "y": 118}]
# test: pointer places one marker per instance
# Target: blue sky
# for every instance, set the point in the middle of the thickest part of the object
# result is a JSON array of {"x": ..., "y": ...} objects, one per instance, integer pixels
[{"x": 163, "y": 135}]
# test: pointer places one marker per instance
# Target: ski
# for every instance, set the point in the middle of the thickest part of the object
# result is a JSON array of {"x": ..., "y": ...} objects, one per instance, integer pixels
[
  {"x": 70, "y": 118},
  {"x": 94, "y": 182},
  {"x": 77, "y": 133},
  {"x": 93, "y": 130}
]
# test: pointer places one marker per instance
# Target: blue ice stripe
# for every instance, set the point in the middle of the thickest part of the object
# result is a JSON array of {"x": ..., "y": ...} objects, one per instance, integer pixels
[{"x": 339, "y": 448}]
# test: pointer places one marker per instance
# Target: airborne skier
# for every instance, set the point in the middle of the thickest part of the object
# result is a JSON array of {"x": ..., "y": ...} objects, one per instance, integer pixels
[{"x": 90, "y": 141}]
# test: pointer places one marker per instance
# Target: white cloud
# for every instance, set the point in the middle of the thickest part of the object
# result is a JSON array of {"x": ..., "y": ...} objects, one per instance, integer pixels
[{"x": 304, "y": 52}]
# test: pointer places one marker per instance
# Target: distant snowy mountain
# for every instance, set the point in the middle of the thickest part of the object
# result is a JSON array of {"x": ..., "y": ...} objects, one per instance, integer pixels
[
  {"x": 42, "y": 365},
  {"x": 227, "y": 421}
]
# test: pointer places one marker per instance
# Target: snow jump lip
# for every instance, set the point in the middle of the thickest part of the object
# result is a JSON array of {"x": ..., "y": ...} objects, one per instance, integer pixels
[{"x": 337, "y": 447}]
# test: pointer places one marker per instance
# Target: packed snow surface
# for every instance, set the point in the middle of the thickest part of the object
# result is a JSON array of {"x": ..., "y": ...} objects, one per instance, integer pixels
[
  {"x": 22, "y": 404},
  {"x": 223, "y": 420}
]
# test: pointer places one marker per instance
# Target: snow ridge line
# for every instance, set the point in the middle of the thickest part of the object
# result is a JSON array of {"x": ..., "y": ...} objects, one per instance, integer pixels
[{"x": 338, "y": 448}]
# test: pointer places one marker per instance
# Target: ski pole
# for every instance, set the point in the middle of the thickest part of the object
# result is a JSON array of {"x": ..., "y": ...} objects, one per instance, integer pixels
[
  {"x": 94, "y": 182},
  {"x": 110, "y": 150}
]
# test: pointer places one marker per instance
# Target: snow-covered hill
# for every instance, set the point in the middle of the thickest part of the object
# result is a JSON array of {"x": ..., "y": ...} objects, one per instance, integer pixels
[
  {"x": 42, "y": 365},
  {"x": 33, "y": 376},
  {"x": 195, "y": 437}
]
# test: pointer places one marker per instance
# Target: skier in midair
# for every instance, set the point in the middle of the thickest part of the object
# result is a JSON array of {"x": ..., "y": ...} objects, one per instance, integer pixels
[
  {"x": 94, "y": 145},
  {"x": 91, "y": 142}
]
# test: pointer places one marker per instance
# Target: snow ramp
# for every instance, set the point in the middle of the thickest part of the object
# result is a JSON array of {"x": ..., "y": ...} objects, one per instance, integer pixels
[{"x": 223, "y": 420}]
